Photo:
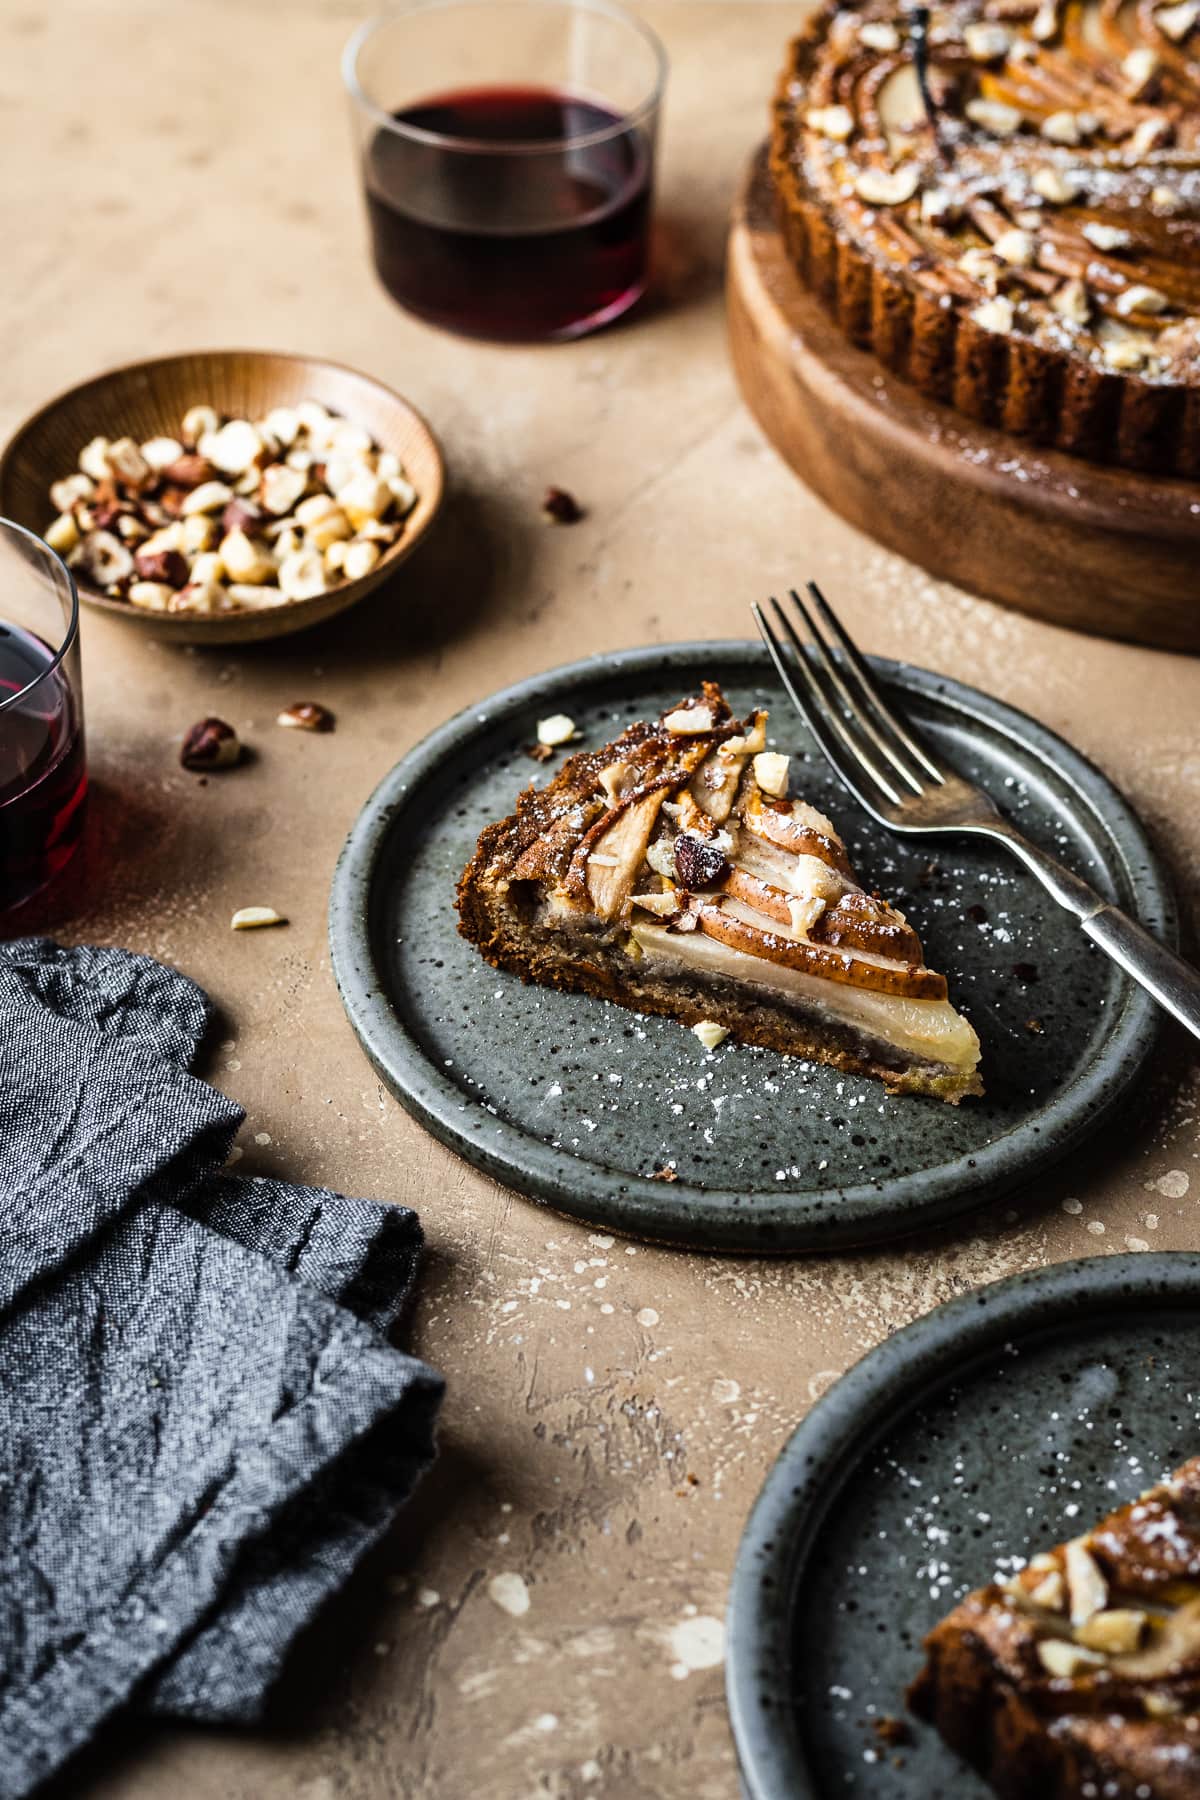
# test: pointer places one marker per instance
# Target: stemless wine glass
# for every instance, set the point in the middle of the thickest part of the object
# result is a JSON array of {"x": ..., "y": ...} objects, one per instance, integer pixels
[
  {"x": 43, "y": 772},
  {"x": 507, "y": 151}
]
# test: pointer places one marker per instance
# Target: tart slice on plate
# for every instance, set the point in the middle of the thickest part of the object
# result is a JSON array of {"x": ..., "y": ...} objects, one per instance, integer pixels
[
  {"x": 1081, "y": 1675},
  {"x": 670, "y": 872}
]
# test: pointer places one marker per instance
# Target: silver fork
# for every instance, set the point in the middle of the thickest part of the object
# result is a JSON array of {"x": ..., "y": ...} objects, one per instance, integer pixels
[{"x": 904, "y": 783}]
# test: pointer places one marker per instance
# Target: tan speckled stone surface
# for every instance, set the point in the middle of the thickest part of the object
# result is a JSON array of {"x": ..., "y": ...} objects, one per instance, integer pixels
[{"x": 178, "y": 175}]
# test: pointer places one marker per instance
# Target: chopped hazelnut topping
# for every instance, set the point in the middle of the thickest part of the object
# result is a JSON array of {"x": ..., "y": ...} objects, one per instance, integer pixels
[
  {"x": 1139, "y": 69},
  {"x": 994, "y": 116},
  {"x": 985, "y": 41},
  {"x": 1140, "y": 299},
  {"x": 1071, "y": 302},
  {"x": 771, "y": 773},
  {"x": 1106, "y": 237},
  {"x": 888, "y": 187},
  {"x": 835, "y": 122},
  {"x": 1058, "y": 186},
  {"x": 995, "y": 314},
  {"x": 1015, "y": 248},
  {"x": 1063, "y": 1660},
  {"x": 877, "y": 34},
  {"x": 1061, "y": 128},
  {"x": 1178, "y": 21},
  {"x": 1086, "y": 1585},
  {"x": 1116, "y": 1631},
  {"x": 710, "y": 1033},
  {"x": 689, "y": 721}
]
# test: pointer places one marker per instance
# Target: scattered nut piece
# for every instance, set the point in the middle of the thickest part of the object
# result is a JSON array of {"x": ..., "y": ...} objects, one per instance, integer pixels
[
  {"x": 253, "y": 918},
  {"x": 994, "y": 116},
  {"x": 1063, "y": 1660},
  {"x": 1015, "y": 248},
  {"x": 557, "y": 729},
  {"x": 771, "y": 773},
  {"x": 560, "y": 508},
  {"x": 160, "y": 452},
  {"x": 1161, "y": 1706},
  {"x": 836, "y": 122},
  {"x": 1106, "y": 237},
  {"x": 1085, "y": 1582},
  {"x": 995, "y": 314},
  {"x": 877, "y": 34},
  {"x": 1140, "y": 299},
  {"x": 306, "y": 715},
  {"x": 888, "y": 187},
  {"x": 212, "y": 744},
  {"x": 985, "y": 41},
  {"x": 1116, "y": 1631},
  {"x": 1165, "y": 200},
  {"x": 710, "y": 1033},
  {"x": 153, "y": 596},
  {"x": 1061, "y": 128}
]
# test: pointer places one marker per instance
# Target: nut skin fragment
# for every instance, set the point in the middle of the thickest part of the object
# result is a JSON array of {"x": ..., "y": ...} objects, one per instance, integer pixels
[
  {"x": 560, "y": 508},
  {"x": 168, "y": 566},
  {"x": 211, "y": 744},
  {"x": 306, "y": 715},
  {"x": 254, "y": 918}
]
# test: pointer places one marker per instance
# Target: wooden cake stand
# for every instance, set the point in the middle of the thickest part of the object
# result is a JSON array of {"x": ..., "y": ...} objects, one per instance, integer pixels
[{"x": 1098, "y": 549}]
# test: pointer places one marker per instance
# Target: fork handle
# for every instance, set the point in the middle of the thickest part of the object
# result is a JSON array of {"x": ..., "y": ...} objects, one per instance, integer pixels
[{"x": 1174, "y": 984}]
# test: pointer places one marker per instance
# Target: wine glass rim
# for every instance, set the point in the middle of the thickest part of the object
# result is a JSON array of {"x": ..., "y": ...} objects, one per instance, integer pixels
[
  {"x": 10, "y": 527},
  {"x": 621, "y": 124}
]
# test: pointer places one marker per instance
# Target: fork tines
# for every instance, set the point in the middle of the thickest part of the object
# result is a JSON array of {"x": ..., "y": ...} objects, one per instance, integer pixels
[{"x": 834, "y": 689}]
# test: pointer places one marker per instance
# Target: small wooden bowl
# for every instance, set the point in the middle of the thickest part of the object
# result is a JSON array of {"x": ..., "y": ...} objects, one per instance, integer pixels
[{"x": 148, "y": 399}]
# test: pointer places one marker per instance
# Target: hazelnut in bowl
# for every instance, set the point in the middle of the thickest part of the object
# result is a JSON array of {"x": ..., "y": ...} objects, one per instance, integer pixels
[{"x": 222, "y": 497}]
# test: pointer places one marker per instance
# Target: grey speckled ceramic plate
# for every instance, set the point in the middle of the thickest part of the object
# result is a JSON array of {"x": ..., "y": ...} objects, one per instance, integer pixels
[
  {"x": 577, "y": 1102},
  {"x": 996, "y": 1426}
]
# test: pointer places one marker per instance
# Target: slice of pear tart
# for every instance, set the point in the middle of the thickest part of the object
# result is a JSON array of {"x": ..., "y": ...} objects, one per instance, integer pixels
[{"x": 670, "y": 872}]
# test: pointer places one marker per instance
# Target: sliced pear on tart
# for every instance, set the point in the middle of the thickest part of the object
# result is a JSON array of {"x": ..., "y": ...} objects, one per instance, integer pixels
[{"x": 670, "y": 872}]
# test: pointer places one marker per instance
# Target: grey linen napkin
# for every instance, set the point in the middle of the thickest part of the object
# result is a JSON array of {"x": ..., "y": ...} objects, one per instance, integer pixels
[{"x": 202, "y": 1423}]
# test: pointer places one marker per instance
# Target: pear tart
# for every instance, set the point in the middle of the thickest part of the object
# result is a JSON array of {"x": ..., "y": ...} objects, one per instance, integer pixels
[
  {"x": 1081, "y": 1676},
  {"x": 669, "y": 872},
  {"x": 1031, "y": 254}
]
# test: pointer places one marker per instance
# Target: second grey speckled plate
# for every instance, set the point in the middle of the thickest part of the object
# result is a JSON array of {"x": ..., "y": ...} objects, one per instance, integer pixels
[
  {"x": 577, "y": 1102},
  {"x": 996, "y": 1426}
]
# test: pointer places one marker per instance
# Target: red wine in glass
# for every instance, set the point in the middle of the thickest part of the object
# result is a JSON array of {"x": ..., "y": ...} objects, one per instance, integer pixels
[
  {"x": 43, "y": 772},
  {"x": 521, "y": 214}
]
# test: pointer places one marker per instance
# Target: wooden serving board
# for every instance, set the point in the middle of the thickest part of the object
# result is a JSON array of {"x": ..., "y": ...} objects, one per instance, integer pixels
[{"x": 1096, "y": 549}]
